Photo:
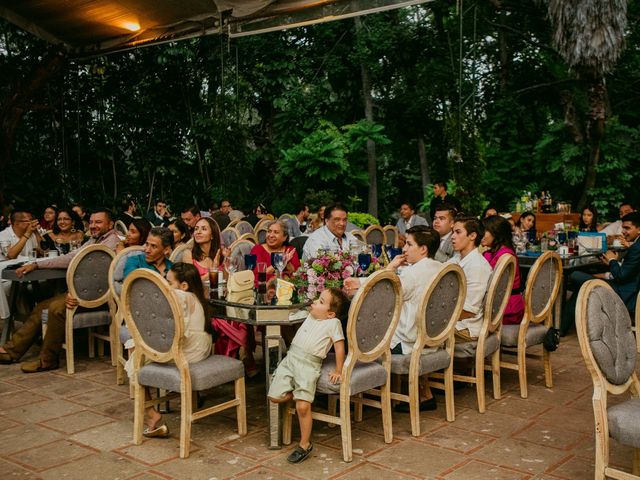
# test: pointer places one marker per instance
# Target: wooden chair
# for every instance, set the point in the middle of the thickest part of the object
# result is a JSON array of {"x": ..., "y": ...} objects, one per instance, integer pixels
[
  {"x": 261, "y": 231},
  {"x": 243, "y": 227},
  {"x": 239, "y": 249},
  {"x": 251, "y": 237},
  {"x": 285, "y": 216},
  {"x": 359, "y": 234},
  {"x": 179, "y": 251},
  {"x": 440, "y": 307},
  {"x": 154, "y": 317},
  {"x": 488, "y": 343},
  {"x": 116, "y": 278},
  {"x": 637, "y": 322},
  {"x": 541, "y": 293},
  {"x": 374, "y": 235},
  {"x": 233, "y": 223},
  {"x": 391, "y": 235},
  {"x": 229, "y": 235},
  {"x": 609, "y": 350},
  {"x": 373, "y": 317},
  {"x": 88, "y": 281},
  {"x": 121, "y": 228},
  {"x": 261, "y": 222}
]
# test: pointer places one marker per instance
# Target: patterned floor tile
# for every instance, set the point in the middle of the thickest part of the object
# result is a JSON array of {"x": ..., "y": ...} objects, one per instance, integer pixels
[{"x": 51, "y": 455}]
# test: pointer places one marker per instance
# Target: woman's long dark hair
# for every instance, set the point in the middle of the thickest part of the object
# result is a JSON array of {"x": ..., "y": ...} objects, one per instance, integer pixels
[
  {"x": 144, "y": 227},
  {"x": 183, "y": 229},
  {"x": 525, "y": 215},
  {"x": 594, "y": 221},
  {"x": 186, "y": 272},
  {"x": 75, "y": 218},
  {"x": 196, "y": 251},
  {"x": 500, "y": 228}
]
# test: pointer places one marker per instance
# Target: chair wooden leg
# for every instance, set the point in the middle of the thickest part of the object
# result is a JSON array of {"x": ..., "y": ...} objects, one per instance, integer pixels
[
  {"x": 449, "y": 394},
  {"x": 345, "y": 428},
  {"x": 385, "y": 402},
  {"x": 69, "y": 342},
  {"x": 114, "y": 341},
  {"x": 601, "y": 437},
  {"x": 548, "y": 374},
  {"x": 636, "y": 462},
  {"x": 92, "y": 343},
  {"x": 241, "y": 410},
  {"x": 185, "y": 423},
  {"x": 332, "y": 407},
  {"x": 414, "y": 405},
  {"x": 357, "y": 409},
  {"x": 396, "y": 387},
  {"x": 495, "y": 374},
  {"x": 522, "y": 370},
  {"x": 287, "y": 423},
  {"x": 479, "y": 374},
  {"x": 138, "y": 414},
  {"x": 100, "y": 343}
]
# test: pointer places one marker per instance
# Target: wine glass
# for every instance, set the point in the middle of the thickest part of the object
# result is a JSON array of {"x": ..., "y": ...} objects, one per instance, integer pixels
[
  {"x": 250, "y": 261},
  {"x": 230, "y": 265},
  {"x": 277, "y": 260},
  {"x": 364, "y": 260},
  {"x": 58, "y": 244}
]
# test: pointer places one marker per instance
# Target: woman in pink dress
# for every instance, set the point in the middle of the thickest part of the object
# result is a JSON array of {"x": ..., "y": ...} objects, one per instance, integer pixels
[
  {"x": 498, "y": 241},
  {"x": 276, "y": 242}
]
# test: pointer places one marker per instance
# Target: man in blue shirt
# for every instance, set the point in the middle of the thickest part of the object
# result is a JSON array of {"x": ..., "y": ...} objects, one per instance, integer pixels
[{"x": 156, "y": 253}]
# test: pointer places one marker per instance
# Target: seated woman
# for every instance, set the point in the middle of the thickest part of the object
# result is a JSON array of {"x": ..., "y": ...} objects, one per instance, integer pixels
[
  {"x": 317, "y": 222},
  {"x": 136, "y": 234},
  {"x": 525, "y": 228},
  {"x": 68, "y": 228},
  {"x": 183, "y": 277},
  {"x": 181, "y": 234},
  {"x": 258, "y": 214},
  {"x": 82, "y": 213},
  {"x": 498, "y": 241},
  {"x": 206, "y": 251},
  {"x": 49, "y": 218},
  {"x": 489, "y": 211},
  {"x": 276, "y": 242},
  {"x": 589, "y": 219}
]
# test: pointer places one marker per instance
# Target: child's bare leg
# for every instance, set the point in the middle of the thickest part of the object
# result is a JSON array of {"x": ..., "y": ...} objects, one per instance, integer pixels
[
  {"x": 153, "y": 416},
  {"x": 425, "y": 390},
  {"x": 306, "y": 422},
  {"x": 284, "y": 399}
]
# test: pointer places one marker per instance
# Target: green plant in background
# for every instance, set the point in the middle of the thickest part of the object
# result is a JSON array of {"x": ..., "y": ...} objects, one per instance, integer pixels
[{"x": 362, "y": 220}]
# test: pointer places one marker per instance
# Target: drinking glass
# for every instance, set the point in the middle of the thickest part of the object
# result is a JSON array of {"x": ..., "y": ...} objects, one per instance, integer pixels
[
  {"x": 250, "y": 261},
  {"x": 33, "y": 254},
  {"x": 58, "y": 244},
  {"x": 4, "y": 247},
  {"x": 376, "y": 249},
  {"x": 262, "y": 272},
  {"x": 394, "y": 252},
  {"x": 230, "y": 265},
  {"x": 562, "y": 237},
  {"x": 364, "y": 260},
  {"x": 277, "y": 260}
]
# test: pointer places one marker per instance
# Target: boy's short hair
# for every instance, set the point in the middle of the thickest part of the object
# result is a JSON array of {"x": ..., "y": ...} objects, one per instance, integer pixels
[
  {"x": 633, "y": 217},
  {"x": 472, "y": 225},
  {"x": 339, "y": 302},
  {"x": 426, "y": 237}
]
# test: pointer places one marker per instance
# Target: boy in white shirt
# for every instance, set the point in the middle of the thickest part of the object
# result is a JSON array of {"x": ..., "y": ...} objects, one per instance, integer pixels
[{"x": 297, "y": 374}]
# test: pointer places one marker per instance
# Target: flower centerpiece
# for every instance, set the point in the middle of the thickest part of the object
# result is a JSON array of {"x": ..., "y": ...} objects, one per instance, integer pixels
[{"x": 327, "y": 270}]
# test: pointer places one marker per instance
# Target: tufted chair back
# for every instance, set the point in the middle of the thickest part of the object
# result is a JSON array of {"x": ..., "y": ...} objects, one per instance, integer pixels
[
  {"x": 499, "y": 291},
  {"x": 87, "y": 275},
  {"x": 178, "y": 252},
  {"x": 442, "y": 303},
  {"x": 239, "y": 249},
  {"x": 261, "y": 230},
  {"x": 374, "y": 315},
  {"x": 543, "y": 286},
  {"x": 152, "y": 314},
  {"x": 391, "y": 235},
  {"x": 116, "y": 271},
  {"x": 244, "y": 227},
  {"x": 229, "y": 235},
  {"x": 374, "y": 235}
]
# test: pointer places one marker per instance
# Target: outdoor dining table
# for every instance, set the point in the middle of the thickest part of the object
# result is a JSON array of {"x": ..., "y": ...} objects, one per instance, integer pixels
[
  {"x": 16, "y": 283},
  {"x": 273, "y": 317}
]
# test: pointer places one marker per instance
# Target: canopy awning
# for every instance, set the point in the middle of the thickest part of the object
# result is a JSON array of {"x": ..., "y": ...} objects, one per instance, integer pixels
[{"x": 94, "y": 27}]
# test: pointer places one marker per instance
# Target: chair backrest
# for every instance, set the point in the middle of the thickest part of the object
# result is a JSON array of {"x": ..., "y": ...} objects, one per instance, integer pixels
[
  {"x": 606, "y": 340},
  {"x": 120, "y": 227},
  {"x": 298, "y": 244},
  {"x": 261, "y": 222},
  {"x": 229, "y": 235},
  {"x": 441, "y": 305},
  {"x": 261, "y": 230},
  {"x": 374, "y": 235},
  {"x": 359, "y": 234},
  {"x": 239, "y": 249},
  {"x": 243, "y": 227},
  {"x": 179, "y": 251},
  {"x": 285, "y": 216},
  {"x": 498, "y": 293},
  {"x": 233, "y": 223},
  {"x": 116, "y": 270},
  {"x": 391, "y": 235},
  {"x": 88, "y": 275},
  {"x": 542, "y": 288},
  {"x": 374, "y": 315},
  {"x": 251, "y": 237},
  {"x": 152, "y": 314}
]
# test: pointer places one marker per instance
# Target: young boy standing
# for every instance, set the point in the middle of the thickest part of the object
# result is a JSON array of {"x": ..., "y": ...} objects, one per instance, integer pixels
[{"x": 297, "y": 374}]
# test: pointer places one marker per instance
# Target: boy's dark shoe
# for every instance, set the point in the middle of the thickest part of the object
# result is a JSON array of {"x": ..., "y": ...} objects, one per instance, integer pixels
[{"x": 299, "y": 454}]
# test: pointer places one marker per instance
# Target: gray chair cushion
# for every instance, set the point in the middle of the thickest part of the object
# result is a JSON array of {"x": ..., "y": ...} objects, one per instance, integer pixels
[
  {"x": 535, "y": 335},
  {"x": 91, "y": 276},
  {"x": 623, "y": 422},
  {"x": 364, "y": 376},
  {"x": 468, "y": 349},
  {"x": 92, "y": 318},
  {"x": 244, "y": 227},
  {"x": 541, "y": 289},
  {"x": 442, "y": 303},
  {"x": 429, "y": 362},
  {"x": 375, "y": 315},
  {"x": 609, "y": 331},
  {"x": 208, "y": 373}
]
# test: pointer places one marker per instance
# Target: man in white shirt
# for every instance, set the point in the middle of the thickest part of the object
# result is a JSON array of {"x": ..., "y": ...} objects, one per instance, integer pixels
[
  {"x": 22, "y": 235},
  {"x": 332, "y": 236},
  {"x": 443, "y": 219},
  {"x": 615, "y": 229},
  {"x": 467, "y": 233},
  {"x": 408, "y": 219}
]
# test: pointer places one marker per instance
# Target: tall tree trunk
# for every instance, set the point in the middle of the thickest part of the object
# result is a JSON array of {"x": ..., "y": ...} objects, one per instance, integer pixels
[
  {"x": 372, "y": 204},
  {"x": 424, "y": 166}
]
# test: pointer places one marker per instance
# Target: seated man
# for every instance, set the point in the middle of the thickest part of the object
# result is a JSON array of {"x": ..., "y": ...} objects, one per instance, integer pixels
[
  {"x": 22, "y": 235},
  {"x": 623, "y": 275},
  {"x": 614, "y": 230},
  {"x": 159, "y": 215},
  {"x": 298, "y": 225},
  {"x": 443, "y": 224},
  {"x": 333, "y": 236},
  {"x": 407, "y": 219},
  {"x": 102, "y": 232},
  {"x": 129, "y": 208},
  {"x": 467, "y": 233},
  {"x": 190, "y": 217}
]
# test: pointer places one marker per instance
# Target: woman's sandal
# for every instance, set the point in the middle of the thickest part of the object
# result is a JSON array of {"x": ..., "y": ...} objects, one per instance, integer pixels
[
  {"x": 159, "y": 432},
  {"x": 299, "y": 454}
]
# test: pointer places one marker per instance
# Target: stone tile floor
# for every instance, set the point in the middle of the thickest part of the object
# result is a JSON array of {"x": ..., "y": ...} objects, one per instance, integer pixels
[{"x": 55, "y": 425}]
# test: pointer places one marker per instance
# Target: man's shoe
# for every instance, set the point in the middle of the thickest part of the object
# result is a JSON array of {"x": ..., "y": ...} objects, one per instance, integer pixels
[
  {"x": 299, "y": 454},
  {"x": 426, "y": 405},
  {"x": 5, "y": 359},
  {"x": 36, "y": 366}
]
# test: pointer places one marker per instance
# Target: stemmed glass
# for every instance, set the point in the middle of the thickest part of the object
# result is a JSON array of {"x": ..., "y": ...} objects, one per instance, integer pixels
[
  {"x": 250, "y": 261},
  {"x": 277, "y": 260},
  {"x": 230, "y": 265},
  {"x": 58, "y": 244},
  {"x": 4, "y": 247},
  {"x": 364, "y": 260}
]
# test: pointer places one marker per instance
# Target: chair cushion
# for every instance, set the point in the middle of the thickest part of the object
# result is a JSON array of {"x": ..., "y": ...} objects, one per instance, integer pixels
[
  {"x": 429, "y": 362},
  {"x": 623, "y": 422},
  {"x": 468, "y": 349},
  {"x": 364, "y": 376},
  {"x": 535, "y": 335},
  {"x": 91, "y": 318},
  {"x": 208, "y": 373}
]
